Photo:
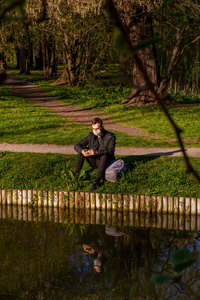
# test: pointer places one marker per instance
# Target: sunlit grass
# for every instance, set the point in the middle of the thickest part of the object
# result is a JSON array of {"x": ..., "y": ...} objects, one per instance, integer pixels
[{"x": 147, "y": 175}]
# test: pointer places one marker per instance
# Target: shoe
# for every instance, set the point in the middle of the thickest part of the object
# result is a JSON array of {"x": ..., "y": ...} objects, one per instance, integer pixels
[{"x": 93, "y": 187}]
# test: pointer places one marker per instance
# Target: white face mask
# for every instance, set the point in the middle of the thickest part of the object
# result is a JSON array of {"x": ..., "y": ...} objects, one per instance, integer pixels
[{"x": 98, "y": 132}]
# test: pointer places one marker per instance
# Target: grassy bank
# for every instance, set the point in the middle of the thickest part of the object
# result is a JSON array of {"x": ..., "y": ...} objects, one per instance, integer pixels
[{"x": 148, "y": 175}]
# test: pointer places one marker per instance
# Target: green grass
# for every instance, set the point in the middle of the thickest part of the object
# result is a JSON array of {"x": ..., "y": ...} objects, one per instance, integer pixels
[
  {"x": 152, "y": 119},
  {"x": 24, "y": 122},
  {"x": 148, "y": 175},
  {"x": 107, "y": 100}
]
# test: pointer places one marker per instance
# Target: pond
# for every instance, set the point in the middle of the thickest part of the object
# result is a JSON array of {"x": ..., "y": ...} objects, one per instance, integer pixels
[{"x": 54, "y": 257}]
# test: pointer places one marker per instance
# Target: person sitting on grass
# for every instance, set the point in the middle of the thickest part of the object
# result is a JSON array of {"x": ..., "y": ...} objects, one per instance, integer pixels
[{"x": 98, "y": 148}]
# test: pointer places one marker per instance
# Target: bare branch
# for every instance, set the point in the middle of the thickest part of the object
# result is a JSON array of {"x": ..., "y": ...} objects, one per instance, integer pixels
[{"x": 115, "y": 17}]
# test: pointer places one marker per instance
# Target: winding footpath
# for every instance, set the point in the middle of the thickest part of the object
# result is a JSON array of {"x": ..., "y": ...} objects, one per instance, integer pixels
[{"x": 35, "y": 94}]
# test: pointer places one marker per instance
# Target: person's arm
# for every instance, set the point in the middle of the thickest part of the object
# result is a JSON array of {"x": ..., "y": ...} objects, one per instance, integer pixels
[
  {"x": 80, "y": 146},
  {"x": 110, "y": 148}
]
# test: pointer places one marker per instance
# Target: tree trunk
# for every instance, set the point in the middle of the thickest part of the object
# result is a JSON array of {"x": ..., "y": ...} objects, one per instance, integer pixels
[
  {"x": 2, "y": 61},
  {"x": 24, "y": 57},
  {"x": 74, "y": 62},
  {"x": 139, "y": 24},
  {"x": 39, "y": 58}
]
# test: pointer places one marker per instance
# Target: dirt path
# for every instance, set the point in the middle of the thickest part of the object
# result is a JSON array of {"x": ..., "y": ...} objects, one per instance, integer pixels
[
  {"x": 35, "y": 94},
  {"x": 69, "y": 149}
]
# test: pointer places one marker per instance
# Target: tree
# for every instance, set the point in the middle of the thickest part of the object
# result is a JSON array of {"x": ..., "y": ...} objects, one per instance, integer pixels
[{"x": 179, "y": 22}]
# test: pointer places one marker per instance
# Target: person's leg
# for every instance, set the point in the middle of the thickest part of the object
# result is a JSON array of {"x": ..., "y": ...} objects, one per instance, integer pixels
[
  {"x": 101, "y": 164},
  {"x": 79, "y": 163},
  {"x": 92, "y": 160},
  {"x": 80, "y": 160}
]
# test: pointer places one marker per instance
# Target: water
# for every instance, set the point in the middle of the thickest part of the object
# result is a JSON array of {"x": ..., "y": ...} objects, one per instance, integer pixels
[{"x": 46, "y": 260}]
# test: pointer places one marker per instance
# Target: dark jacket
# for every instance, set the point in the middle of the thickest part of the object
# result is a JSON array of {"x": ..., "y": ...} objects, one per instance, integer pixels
[{"x": 104, "y": 147}]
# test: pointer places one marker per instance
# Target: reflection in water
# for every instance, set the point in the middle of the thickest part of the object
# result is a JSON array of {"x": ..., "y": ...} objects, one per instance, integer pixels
[
  {"x": 54, "y": 260},
  {"x": 101, "y": 217}
]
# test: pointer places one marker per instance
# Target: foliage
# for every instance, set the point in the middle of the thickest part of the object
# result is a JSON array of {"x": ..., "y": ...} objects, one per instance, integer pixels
[{"x": 180, "y": 260}]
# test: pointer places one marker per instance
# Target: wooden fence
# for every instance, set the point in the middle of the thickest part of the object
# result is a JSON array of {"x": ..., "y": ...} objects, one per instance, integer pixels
[{"x": 108, "y": 202}]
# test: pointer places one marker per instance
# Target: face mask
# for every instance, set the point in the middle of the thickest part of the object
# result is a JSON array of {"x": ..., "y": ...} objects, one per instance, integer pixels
[{"x": 98, "y": 132}]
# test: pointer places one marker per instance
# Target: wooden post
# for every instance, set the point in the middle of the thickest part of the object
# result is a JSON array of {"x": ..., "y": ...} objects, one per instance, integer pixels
[
  {"x": 19, "y": 197},
  {"x": 170, "y": 205},
  {"x": 119, "y": 202},
  {"x": 198, "y": 206},
  {"x": 34, "y": 197},
  {"x": 61, "y": 199},
  {"x": 4, "y": 197},
  {"x": 136, "y": 203},
  {"x": 164, "y": 205},
  {"x": 153, "y": 204},
  {"x": 9, "y": 197},
  {"x": 71, "y": 200},
  {"x": 29, "y": 197},
  {"x": 56, "y": 199},
  {"x": 93, "y": 201},
  {"x": 147, "y": 205},
  {"x": 159, "y": 204},
  {"x": 50, "y": 198},
  {"x": 176, "y": 205},
  {"x": 126, "y": 201},
  {"x": 142, "y": 203},
  {"x": 187, "y": 206},
  {"x": 0, "y": 197},
  {"x": 24, "y": 197},
  {"x": 87, "y": 201},
  {"x": 194, "y": 206},
  {"x": 45, "y": 198},
  {"x": 181, "y": 205},
  {"x": 40, "y": 198},
  {"x": 114, "y": 202},
  {"x": 103, "y": 201},
  {"x": 131, "y": 203},
  {"x": 98, "y": 201},
  {"x": 14, "y": 197},
  {"x": 109, "y": 202}
]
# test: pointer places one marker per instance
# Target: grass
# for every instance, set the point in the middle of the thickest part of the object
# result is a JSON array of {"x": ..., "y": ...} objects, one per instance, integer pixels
[
  {"x": 24, "y": 122},
  {"x": 147, "y": 175},
  {"x": 151, "y": 119},
  {"x": 107, "y": 100}
]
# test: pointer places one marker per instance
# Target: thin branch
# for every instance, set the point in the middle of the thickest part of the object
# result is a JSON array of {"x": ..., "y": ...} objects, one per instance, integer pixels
[{"x": 115, "y": 17}]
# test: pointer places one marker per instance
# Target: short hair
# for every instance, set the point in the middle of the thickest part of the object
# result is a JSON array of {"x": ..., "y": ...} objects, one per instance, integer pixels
[{"x": 97, "y": 120}]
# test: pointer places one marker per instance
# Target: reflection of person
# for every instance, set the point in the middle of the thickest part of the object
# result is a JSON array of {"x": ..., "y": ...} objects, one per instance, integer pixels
[
  {"x": 97, "y": 148},
  {"x": 98, "y": 245}
]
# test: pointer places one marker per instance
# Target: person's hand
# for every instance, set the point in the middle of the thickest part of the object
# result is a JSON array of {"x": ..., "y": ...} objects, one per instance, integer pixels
[
  {"x": 89, "y": 152},
  {"x": 86, "y": 153}
]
